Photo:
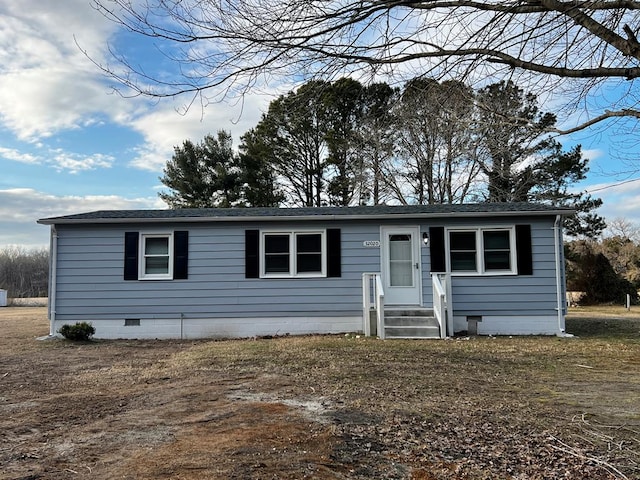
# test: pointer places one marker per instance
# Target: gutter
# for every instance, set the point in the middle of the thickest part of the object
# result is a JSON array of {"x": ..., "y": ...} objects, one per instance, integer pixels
[
  {"x": 53, "y": 279},
  {"x": 557, "y": 232}
]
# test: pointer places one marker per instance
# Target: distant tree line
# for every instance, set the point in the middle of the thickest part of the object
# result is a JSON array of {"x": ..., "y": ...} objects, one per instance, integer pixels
[
  {"x": 608, "y": 269},
  {"x": 343, "y": 143},
  {"x": 24, "y": 273}
]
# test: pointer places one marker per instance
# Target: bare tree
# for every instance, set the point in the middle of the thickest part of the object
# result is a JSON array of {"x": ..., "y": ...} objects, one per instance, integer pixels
[
  {"x": 376, "y": 139},
  {"x": 237, "y": 44},
  {"x": 435, "y": 123},
  {"x": 291, "y": 137},
  {"x": 24, "y": 273},
  {"x": 623, "y": 228}
]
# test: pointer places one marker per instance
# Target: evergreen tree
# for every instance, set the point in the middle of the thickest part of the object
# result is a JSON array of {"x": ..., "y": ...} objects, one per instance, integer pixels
[
  {"x": 291, "y": 138},
  {"x": 343, "y": 101},
  {"x": 203, "y": 175},
  {"x": 522, "y": 164},
  {"x": 258, "y": 175},
  {"x": 376, "y": 142},
  {"x": 590, "y": 271}
]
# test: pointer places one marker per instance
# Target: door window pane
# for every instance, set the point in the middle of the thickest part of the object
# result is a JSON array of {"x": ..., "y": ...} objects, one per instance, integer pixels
[{"x": 400, "y": 261}]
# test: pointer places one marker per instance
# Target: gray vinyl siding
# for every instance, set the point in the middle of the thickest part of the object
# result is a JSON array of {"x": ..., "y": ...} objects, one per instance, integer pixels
[{"x": 90, "y": 284}]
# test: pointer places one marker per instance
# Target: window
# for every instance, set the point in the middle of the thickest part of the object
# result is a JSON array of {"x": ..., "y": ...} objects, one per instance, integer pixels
[
  {"x": 497, "y": 251},
  {"x": 482, "y": 250},
  {"x": 293, "y": 254},
  {"x": 155, "y": 256},
  {"x": 309, "y": 253},
  {"x": 277, "y": 253},
  {"x": 462, "y": 247}
]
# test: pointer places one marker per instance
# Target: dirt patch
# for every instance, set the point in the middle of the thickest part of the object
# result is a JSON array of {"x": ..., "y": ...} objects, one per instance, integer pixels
[{"x": 314, "y": 407}]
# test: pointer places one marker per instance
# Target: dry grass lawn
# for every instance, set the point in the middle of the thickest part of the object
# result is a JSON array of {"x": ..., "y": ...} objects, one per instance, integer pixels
[{"x": 322, "y": 407}]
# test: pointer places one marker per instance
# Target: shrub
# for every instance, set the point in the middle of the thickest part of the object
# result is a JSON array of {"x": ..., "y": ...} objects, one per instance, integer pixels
[{"x": 81, "y": 331}]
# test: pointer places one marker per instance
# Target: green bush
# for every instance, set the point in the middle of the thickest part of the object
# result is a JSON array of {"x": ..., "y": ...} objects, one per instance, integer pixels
[{"x": 81, "y": 331}]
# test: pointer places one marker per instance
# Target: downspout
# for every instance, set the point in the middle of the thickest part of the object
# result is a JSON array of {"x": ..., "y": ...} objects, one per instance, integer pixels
[
  {"x": 557, "y": 232},
  {"x": 53, "y": 263}
]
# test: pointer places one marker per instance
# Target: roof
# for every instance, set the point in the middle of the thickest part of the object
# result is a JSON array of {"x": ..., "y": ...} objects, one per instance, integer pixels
[{"x": 310, "y": 213}]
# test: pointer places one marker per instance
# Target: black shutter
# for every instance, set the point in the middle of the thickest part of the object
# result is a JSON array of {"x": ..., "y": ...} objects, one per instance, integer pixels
[
  {"x": 251, "y": 254},
  {"x": 334, "y": 253},
  {"x": 180, "y": 255},
  {"x": 131, "y": 255},
  {"x": 523, "y": 250},
  {"x": 436, "y": 249}
]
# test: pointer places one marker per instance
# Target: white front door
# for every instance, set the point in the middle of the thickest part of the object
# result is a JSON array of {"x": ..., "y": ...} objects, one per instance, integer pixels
[{"x": 401, "y": 265}]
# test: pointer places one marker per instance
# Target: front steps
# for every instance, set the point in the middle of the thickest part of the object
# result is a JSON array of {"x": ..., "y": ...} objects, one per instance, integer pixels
[{"x": 410, "y": 322}]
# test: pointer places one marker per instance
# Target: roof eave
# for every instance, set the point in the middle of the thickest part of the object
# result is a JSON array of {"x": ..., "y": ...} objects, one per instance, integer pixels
[{"x": 275, "y": 218}]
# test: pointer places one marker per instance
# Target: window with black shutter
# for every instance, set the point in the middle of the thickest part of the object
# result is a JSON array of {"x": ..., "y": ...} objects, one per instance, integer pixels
[
  {"x": 292, "y": 253},
  {"x": 481, "y": 250},
  {"x": 156, "y": 256}
]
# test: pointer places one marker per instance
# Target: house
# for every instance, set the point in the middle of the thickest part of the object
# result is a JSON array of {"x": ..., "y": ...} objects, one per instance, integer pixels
[{"x": 404, "y": 271}]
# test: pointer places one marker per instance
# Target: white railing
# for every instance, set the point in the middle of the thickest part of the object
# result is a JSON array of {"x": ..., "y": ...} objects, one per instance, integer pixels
[
  {"x": 442, "y": 303},
  {"x": 372, "y": 299}
]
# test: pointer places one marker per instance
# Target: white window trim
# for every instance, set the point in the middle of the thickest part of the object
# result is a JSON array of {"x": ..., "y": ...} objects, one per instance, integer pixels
[
  {"x": 293, "y": 257},
  {"x": 141, "y": 256},
  {"x": 480, "y": 251}
]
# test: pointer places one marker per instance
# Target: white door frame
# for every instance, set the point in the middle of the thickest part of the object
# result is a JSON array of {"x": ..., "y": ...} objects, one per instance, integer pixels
[{"x": 401, "y": 295}]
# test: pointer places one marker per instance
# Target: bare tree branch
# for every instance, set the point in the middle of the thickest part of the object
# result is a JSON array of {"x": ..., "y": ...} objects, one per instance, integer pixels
[
  {"x": 228, "y": 47},
  {"x": 598, "y": 119}
]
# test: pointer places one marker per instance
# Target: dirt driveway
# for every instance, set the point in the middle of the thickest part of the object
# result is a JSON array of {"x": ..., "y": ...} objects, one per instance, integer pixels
[{"x": 289, "y": 408}]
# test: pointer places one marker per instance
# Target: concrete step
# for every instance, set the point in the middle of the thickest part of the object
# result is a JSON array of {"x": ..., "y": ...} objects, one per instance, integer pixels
[
  {"x": 408, "y": 312},
  {"x": 410, "y": 321},
  {"x": 412, "y": 332}
]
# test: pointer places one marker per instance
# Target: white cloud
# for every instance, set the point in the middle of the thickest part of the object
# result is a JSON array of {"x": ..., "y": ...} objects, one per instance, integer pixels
[
  {"x": 620, "y": 200},
  {"x": 39, "y": 102},
  {"x": 48, "y": 86},
  {"x": 592, "y": 154},
  {"x": 46, "y": 82},
  {"x": 75, "y": 163},
  {"x": 164, "y": 127},
  {"x": 60, "y": 159},
  {"x": 17, "y": 156},
  {"x": 20, "y": 208}
]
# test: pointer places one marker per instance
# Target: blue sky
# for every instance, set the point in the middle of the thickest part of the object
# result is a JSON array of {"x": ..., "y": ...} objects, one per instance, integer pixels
[{"x": 69, "y": 144}]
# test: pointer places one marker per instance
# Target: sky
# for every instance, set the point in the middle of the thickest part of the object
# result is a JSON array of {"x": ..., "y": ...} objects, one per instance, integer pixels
[{"x": 69, "y": 143}]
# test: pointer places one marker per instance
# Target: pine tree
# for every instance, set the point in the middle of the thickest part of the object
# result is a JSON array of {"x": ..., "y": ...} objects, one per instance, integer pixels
[
  {"x": 203, "y": 175},
  {"x": 522, "y": 163},
  {"x": 211, "y": 174}
]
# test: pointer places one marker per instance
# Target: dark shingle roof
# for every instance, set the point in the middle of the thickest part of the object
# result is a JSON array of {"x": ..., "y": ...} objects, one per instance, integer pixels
[{"x": 317, "y": 213}]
